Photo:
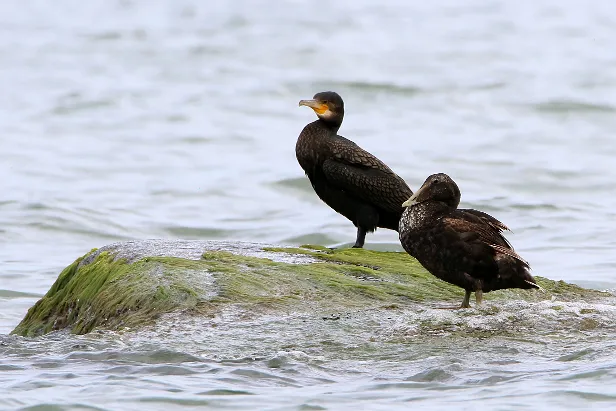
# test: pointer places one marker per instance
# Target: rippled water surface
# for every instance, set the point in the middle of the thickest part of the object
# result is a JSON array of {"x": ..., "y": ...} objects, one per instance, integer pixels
[{"x": 178, "y": 119}]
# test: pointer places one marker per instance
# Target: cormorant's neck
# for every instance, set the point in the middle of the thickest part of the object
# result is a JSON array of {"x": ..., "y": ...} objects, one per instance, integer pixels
[{"x": 333, "y": 124}]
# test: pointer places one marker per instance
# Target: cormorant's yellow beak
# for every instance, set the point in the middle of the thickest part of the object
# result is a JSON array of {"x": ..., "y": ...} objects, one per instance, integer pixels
[{"x": 318, "y": 107}]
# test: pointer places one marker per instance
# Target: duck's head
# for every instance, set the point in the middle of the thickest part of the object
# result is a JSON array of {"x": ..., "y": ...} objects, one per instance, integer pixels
[{"x": 439, "y": 188}]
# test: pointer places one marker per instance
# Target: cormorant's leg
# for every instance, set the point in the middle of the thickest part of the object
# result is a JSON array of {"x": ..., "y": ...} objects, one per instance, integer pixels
[
  {"x": 479, "y": 296},
  {"x": 361, "y": 238},
  {"x": 466, "y": 301}
]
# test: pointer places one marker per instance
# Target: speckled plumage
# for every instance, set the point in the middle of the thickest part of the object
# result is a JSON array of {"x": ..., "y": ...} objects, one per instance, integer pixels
[
  {"x": 464, "y": 247},
  {"x": 349, "y": 179}
]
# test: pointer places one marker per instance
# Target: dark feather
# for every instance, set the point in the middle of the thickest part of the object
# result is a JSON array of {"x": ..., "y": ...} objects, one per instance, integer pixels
[
  {"x": 509, "y": 252},
  {"x": 349, "y": 179},
  {"x": 368, "y": 184},
  {"x": 462, "y": 246},
  {"x": 487, "y": 218}
]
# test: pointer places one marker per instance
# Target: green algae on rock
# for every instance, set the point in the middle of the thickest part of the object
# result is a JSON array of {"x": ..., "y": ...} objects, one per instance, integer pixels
[
  {"x": 110, "y": 293},
  {"x": 130, "y": 284}
]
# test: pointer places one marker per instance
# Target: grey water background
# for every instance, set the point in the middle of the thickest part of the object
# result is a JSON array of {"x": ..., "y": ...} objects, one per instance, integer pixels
[{"x": 178, "y": 119}]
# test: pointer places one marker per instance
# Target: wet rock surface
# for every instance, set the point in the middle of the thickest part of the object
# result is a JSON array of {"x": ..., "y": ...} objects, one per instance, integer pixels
[{"x": 133, "y": 284}]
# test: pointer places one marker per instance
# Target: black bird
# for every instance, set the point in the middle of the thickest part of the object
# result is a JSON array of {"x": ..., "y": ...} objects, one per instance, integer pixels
[
  {"x": 464, "y": 247},
  {"x": 347, "y": 178}
]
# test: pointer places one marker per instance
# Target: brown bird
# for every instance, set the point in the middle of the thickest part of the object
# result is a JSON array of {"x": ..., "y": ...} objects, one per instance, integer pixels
[
  {"x": 464, "y": 247},
  {"x": 346, "y": 177}
]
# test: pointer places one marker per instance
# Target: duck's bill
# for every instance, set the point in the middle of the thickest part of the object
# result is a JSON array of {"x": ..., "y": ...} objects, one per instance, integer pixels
[
  {"x": 414, "y": 198},
  {"x": 411, "y": 201}
]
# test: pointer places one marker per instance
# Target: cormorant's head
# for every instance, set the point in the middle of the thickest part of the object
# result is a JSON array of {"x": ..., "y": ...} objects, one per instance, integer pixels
[
  {"x": 438, "y": 187},
  {"x": 328, "y": 105}
]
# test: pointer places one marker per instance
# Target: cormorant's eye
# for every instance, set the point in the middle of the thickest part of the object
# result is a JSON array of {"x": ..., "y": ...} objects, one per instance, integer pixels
[
  {"x": 325, "y": 102},
  {"x": 434, "y": 182}
]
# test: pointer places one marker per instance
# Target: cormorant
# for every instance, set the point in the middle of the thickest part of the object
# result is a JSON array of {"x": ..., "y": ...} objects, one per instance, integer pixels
[
  {"x": 464, "y": 247},
  {"x": 350, "y": 180}
]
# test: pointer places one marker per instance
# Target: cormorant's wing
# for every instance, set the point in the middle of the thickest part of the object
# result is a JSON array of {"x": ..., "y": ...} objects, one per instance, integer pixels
[
  {"x": 347, "y": 152},
  {"x": 358, "y": 172}
]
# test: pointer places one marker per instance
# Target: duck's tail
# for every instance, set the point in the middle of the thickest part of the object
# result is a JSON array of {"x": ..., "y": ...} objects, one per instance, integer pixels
[
  {"x": 535, "y": 285},
  {"x": 514, "y": 273}
]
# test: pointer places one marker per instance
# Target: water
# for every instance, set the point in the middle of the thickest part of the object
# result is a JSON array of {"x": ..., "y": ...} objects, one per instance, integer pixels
[{"x": 178, "y": 119}]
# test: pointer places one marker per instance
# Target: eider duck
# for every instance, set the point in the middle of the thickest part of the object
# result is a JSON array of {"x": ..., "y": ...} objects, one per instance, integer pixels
[{"x": 464, "y": 247}]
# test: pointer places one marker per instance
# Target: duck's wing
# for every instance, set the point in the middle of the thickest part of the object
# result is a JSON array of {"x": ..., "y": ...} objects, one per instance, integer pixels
[
  {"x": 497, "y": 224},
  {"x": 475, "y": 229},
  {"x": 488, "y": 219}
]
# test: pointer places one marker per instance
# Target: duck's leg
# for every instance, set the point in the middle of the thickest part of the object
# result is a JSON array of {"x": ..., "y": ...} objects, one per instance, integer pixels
[
  {"x": 466, "y": 302},
  {"x": 361, "y": 237},
  {"x": 479, "y": 296}
]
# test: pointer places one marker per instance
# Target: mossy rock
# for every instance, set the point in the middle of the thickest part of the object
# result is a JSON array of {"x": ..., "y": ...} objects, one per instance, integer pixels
[{"x": 130, "y": 284}]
